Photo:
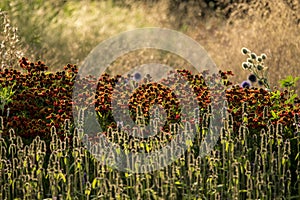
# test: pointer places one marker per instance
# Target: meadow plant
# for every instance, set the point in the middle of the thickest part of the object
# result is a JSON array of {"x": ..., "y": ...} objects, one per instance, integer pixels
[
  {"x": 239, "y": 166},
  {"x": 257, "y": 155},
  {"x": 265, "y": 26},
  {"x": 246, "y": 84},
  {"x": 259, "y": 73},
  {"x": 290, "y": 83},
  {"x": 255, "y": 64},
  {"x": 6, "y": 94},
  {"x": 254, "y": 148}
]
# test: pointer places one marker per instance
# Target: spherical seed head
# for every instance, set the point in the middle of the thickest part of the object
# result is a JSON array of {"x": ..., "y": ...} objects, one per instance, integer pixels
[
  {"x": 253, "y": 55},
  {"x": 245, "y": 50},
  {"x": 137, "y": 76},
  {"x": 260, "y": 67},
  {"x": 259, "y": 59},
  {"x": 263, "y": 56},
  {"x": 245, "y": 65},
  {"x": 246, "y": 84},
  {"x": 252, "y": 78}
]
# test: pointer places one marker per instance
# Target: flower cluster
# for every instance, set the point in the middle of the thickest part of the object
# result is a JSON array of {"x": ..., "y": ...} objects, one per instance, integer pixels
[
  {"x": 43, "y": 100},
  {"x": 255, "y": 64}
]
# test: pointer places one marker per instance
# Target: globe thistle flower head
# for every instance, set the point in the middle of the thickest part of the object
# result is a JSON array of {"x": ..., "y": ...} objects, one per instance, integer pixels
[
  {"x": 246, "y": 84},
  {"x": 259, "y": 67},
  {"x": 263, "y": 56},
  {"x": 252, "y": 78},
  {"x": 259, "y": 59},
  {"x": 253, "y": 55},
  {"x": 137, "y": 76},
  {"x": 245, "y": 65},
  {"x": 245, "y": 51}
]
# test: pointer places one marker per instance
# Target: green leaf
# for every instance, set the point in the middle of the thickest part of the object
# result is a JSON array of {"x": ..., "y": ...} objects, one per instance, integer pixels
[
  {"x": 226, "y": 146},
  {"x": 297, "y": 156},
  {"x": 94, "y": 183},
  {"x": 87, "y": 192},
  {"x": 178, "y": 172},
  {"x": 65, "y": 160},
  {"x": 78, "y": 165},
  {"x": 291, "y": 99},
  {"x": 283, "y": 161},
  {"x": 189, "y": 143},
  {"x": 147, "y": 148},
  {"x": 62, "y": 176},
  {"x": 142, "y": 145},
  {"x": 177, "y": 183},
  {"x": 274, "y": 115},
  {"x": 118, "y": 150},
  {"x": 289, "y": 81}
]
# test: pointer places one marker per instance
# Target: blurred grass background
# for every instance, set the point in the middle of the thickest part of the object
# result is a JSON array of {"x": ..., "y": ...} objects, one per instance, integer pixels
[{"x": 61, "y": 32}]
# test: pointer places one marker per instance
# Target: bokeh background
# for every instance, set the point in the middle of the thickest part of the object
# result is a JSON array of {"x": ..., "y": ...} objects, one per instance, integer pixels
[{"x": 62, "y": 32}]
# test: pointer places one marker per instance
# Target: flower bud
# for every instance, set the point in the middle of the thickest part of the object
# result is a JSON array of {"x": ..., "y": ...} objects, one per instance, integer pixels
[
  {"x": 253, "y": 55},
  {"x": 259, "y": 67},
  {"x": 245, "y": 51},
  {"x": 263, "y": 56},
  {"x": 259, "y": 59},
  {"x": 252, "y": 78},
  {"x": 245, "y": 65}
]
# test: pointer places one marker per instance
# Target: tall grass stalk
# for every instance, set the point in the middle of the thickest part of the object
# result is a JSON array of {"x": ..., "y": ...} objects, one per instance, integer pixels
[{"x": 240, "y": 166}]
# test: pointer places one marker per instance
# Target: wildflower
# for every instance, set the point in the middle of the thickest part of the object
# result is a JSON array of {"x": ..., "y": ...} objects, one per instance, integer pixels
[
  {"x": 246, "y": 84},
  {"x": 253, "y": 55},
  {"x": 137, "y": 76},
  {"x": 259, "y": 59},
  {"x": 260, "y": 67},
  {"x": 245, "y": 51},
  {"x": 252, "y": 78},
  {"x": 245, "y": 65}
]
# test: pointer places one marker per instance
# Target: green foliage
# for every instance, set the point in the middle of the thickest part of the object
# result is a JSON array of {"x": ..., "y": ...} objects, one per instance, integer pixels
[
  {"x": 6, "y": 94},
  {"x": 60, "y": 166},
  {"x": 289, "y": 82},
  {"x": 226, "y": 171}
]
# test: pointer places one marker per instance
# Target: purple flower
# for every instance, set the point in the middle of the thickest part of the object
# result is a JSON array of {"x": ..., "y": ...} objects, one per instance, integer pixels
[
  {"x": 246, "y": 84},
  {"x": 137, "y": 76}
]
